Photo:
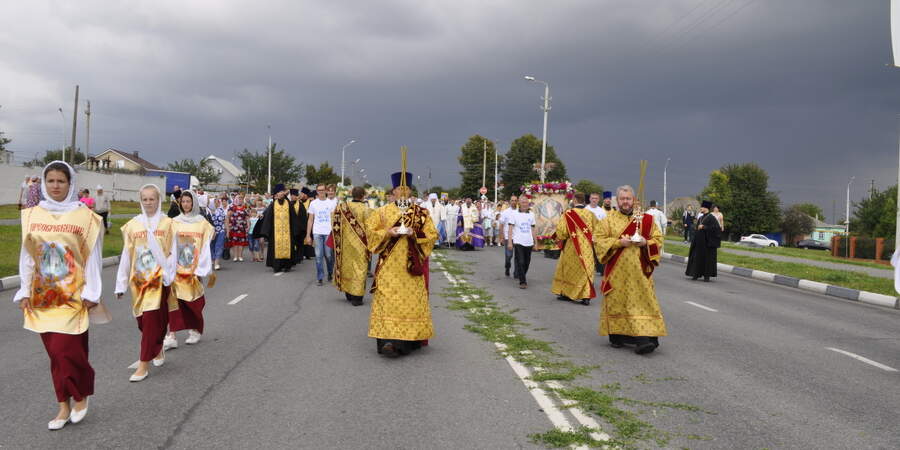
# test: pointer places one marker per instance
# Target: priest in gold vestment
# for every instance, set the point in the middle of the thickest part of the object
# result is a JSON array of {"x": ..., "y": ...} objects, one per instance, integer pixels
[
  {"x": 351, "y": 252},
  {"x": 630, "y": 312},
  {"x": 574, "y": 277},
  {"x": 281, "y": 228},
  {"x": 403, "y": 235}
]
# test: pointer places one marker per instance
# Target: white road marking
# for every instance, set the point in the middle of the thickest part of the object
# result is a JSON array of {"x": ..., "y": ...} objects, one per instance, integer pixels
[
  {"x": 702, "y": 307},
  {"x": 863, "y": 359},
  {"x": 540, "y": 395},
  {"x": 579, "y": 415},
  {"x": 238, "y": 299},
  {"x": 279, "y": 274}
]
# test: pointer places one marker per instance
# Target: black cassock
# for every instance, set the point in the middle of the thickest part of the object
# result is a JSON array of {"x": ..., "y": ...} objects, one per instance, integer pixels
[
  {"x": 266, "y": 228},
  {"x": 297, "y": 251},
  {"x": 702, "y": 259}
]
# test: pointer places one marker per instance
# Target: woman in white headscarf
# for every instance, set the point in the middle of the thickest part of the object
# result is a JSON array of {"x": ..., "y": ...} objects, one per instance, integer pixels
[
  {"x": 59, "y": 267},
  {"x": 148, "y": 268},
  {"x": 193, "y": 261}
]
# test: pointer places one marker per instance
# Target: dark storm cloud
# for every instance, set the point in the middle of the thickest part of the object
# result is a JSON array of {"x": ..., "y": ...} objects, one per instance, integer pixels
[{"x": 799, "y": 87}]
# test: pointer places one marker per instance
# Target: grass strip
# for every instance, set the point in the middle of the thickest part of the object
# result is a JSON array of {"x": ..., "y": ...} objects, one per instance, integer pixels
[
  {"x": 499, "y": 325},
  {"x": 118, "y": 207},
  {"x": 813, "y": 255},
  {"x": 851, "y": 280}
]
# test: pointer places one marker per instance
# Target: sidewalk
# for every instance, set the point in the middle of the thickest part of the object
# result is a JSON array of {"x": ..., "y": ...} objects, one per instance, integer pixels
[{"x": 880, "y": 273}]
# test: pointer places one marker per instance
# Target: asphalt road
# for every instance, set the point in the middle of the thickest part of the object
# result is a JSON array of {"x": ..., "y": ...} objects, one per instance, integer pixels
[{"x": 290, "y": 366}]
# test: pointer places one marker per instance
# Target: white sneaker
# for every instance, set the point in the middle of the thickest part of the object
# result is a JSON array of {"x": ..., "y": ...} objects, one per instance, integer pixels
[
  {"x": 218, "y": 267},
  {"x": 193, "y": 337},
  {"x": 170, "y": 342}
]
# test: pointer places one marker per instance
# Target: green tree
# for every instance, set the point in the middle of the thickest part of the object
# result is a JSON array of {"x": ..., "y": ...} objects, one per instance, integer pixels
[
  {"x": 472, "y": 160},
  {"x": 876, "y": 216},
  {"x": 588, "y": 187},
  {"x": 285, "y": 168},
  {"x": 519, "y": 163},
  {"x": 323, "y": 175},
  {"x": 55, "y": 155},
  {"x": 741, "y": 192},
  {"x": 3, "y": 141},
  {"x": 205, "y": 174},
  {"x": 796, "y": 222},
  {"x": 811, "y": 210}
]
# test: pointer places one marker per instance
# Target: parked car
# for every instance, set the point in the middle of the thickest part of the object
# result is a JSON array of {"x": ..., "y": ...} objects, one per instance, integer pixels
[
  {"x": 813, "y": 244},
  {"x": 759, "y": 239}
]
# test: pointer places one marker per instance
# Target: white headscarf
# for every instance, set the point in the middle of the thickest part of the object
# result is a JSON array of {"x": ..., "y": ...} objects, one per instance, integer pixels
[
  {"x": 193, "y": 216},
  {"x": 70, "y": 203},
  {"x": 150, "y": 222}
]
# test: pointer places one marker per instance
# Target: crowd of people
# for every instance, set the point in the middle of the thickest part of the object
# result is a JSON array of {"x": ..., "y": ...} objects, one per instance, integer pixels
[{"x": 169, "y": 259}]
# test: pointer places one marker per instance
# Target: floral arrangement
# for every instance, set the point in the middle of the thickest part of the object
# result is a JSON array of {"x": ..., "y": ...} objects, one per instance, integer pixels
[
  {"x": 560, "y": 187},
  {"x": 547, "y": 241}
]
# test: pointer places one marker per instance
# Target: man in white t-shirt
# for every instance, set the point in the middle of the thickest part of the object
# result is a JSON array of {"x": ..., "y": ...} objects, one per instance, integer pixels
[
  {"x": 318, "y": 227},
  {"x": 521, "y": 238},
  {"x": 658, "y": 217},
  {"x": 595, "y": 207},
  {"x": 504, "y": 230},
  {"x": 203, "y": 201}
]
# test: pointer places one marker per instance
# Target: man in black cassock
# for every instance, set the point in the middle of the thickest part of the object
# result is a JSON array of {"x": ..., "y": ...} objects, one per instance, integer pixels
[
  {"x": 707, "y": 238},
  {"x": 306, "y": 196},
  {"x": 268, "y": 230},
  {"x": 300, "y": 211}
]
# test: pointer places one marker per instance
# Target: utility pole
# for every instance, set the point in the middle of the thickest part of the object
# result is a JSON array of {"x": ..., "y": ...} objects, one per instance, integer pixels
[
  {"x": 484, "y": 163},
  {"x": 872, "y": 190},
  {"x": 74, "y": 126},
  {"x": 87, "y": 140},
  {"x": 496, "y": 158},
  {"x": 665, "y": 188},
  {"x": 269, "y": 151},
  {"x": 848, "y": 216}
]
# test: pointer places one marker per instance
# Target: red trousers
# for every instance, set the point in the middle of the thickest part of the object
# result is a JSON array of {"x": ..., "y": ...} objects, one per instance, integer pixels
[
  {"x": 188, "y": 316},
  {"x": 70, "y": 370},
  {"x": 153, "y": 331}
]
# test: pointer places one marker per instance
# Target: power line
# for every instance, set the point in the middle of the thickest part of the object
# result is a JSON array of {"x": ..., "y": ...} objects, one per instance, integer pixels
[
  {"x": 693, "y": 26},
  {"x": 649, "y": 43},
  {"x": 719, "y": 23}
]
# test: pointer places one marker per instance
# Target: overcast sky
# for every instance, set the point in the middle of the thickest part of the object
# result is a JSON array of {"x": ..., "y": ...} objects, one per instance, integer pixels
[{"x": 800, "y": 87}]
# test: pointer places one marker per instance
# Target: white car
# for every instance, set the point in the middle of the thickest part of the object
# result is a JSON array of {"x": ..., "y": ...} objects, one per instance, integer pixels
[{"x": 760, "y": 240}]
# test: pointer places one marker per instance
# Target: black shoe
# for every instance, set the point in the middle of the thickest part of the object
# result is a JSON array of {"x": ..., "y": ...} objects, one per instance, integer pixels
[
  {"x": 356, "y": 302},
  {"x": 329, "y": 278},
  {"x": 523, "y": 285},
  {"x": 388, "y": 350},
  {"x": 586, "y": 301},
  {"x": 645, "y": 345},
  {"x": 507, "y": 272},
  {"x": 562, "y": 298},
  {"x": 694, "y": 278},
  {"x": 706, "y": 279},
  {"x": 319, "y": 283}
]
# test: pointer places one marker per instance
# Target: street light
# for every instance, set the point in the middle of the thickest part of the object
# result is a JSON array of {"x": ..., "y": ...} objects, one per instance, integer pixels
[
  {"x": 269, "y": 151},
  {"x": 665, "y": 187},
  {"x": 848, "y": 216},
  {"x": 546, "y": 109},
  {"x": 63, "y": 115},
  {"x": 344, "y": 149}
]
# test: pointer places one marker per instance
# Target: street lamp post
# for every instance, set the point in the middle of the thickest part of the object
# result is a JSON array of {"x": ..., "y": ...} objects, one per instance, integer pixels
[
  {"x": 665, "y": 187},
  {"x": 269, "y": 151},
  {"x": 848, "y": 216},
  {"x": 496, "y": 158},
  {"x": 344, "y": 149},
  {"x": 546, "y": 109},
  {"x": 63, "y": 115}
]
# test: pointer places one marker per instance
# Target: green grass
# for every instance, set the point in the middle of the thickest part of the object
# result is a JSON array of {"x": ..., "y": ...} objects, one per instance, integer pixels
[
  {"x": 12, "y": 211},
  {"x": 11, "y": 239},
  {"x": 496, "y": 324},
  {"x": 814, "y": 255},
  {"x": 852, "y": 280}
]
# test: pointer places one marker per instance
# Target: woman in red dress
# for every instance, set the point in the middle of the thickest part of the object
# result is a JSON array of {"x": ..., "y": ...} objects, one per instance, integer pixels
[{"x": 238, "y": 224}]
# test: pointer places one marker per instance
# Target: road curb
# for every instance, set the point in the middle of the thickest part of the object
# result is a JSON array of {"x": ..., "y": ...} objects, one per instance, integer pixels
[
  {"x": 13, "y": 282},
  {"x": 870, "y": 298}
]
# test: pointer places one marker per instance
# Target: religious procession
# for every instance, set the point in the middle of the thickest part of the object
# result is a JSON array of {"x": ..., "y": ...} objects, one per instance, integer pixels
[{"x": 436, "y": 225}]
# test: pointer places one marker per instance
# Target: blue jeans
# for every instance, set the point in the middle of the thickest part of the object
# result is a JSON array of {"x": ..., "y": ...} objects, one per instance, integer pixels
[
  {"x": 218, "y": 245},
  {"x": 323, "y": 252}
]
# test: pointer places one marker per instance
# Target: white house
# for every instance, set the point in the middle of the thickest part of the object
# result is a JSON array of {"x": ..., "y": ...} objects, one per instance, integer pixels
[{"x": 228, "y": 172}]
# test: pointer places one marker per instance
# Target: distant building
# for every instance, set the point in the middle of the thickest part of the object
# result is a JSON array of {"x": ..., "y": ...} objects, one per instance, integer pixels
[
  {"x": 115, "y": 159},
  {"x": 824, "y": 232},
  {"x": 6, "y": 157},
  {"x": 229, "y": 174}
]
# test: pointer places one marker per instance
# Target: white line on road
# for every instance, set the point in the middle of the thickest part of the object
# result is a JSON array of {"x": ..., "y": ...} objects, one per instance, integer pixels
[
  {"x": 863, "y": 359},
  {"x": 579, "y": 415},
  {"x": 278, "y": 274},
  {"x": 702, "y": 307},
  {"x": 237, "y": 299},
  {"x": 540, "y": 396}
]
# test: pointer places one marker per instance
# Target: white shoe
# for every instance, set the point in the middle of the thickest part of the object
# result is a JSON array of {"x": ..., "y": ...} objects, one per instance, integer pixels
[
  {"x": 193, "y": 337},
  {"x": 57, "y": 424},
  {"x": 218, "y": 267},
  {"x": 160, "y": 360},
  {"x": 241, "y": 259},
  {"x": 78, "y": 416},
  {"x": 137, "y": 378},
  {"x": 234, "y": 259},
  {"x": 170, "y": 343}
]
